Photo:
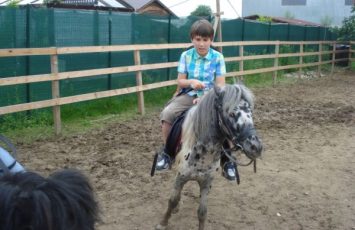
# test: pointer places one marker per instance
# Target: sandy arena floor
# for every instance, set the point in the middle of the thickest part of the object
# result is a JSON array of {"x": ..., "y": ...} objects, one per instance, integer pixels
[{"x": 305, "y": 180}]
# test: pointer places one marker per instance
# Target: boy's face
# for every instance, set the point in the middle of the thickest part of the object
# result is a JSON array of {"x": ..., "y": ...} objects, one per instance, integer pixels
[{"x": 201, "y": 44}]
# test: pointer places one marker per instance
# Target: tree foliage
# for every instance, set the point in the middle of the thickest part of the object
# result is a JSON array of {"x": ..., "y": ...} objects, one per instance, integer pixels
[
  {"x": 264, "y": 19},
  {"x": 347, "y": 31},
  {"x": 202, "y": 11}
]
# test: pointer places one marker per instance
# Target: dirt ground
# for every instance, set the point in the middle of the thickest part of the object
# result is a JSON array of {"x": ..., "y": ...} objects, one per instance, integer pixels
[{"x": 304, "y": 181}]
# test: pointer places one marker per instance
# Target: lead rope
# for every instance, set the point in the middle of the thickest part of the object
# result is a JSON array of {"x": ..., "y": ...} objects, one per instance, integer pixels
[{"x": 236, "y": 162}]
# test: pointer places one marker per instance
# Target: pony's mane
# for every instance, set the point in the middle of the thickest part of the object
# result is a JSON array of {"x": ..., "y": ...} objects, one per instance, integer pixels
[
  {"x": 205, "y": 118},
  {"x": 64, "y": 200}
]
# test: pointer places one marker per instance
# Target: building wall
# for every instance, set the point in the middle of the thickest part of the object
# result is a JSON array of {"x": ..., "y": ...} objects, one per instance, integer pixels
[{"x": 314, "y": 10}]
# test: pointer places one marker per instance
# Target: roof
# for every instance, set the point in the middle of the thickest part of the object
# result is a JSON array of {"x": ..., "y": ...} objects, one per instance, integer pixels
[
  {"x": 140, "y": 4},
  {"x": 285, "y": 20}
]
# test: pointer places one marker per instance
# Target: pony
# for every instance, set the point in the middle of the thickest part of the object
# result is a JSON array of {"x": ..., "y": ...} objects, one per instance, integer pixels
[
  {"x": 223, "y": 114},
  {"x": 62, "y": 201}
]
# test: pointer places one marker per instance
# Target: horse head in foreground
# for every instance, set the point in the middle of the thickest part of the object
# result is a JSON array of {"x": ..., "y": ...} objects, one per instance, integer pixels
[
  {"x": 64, "y": 200},
  {"x": 223, "y": 114}
]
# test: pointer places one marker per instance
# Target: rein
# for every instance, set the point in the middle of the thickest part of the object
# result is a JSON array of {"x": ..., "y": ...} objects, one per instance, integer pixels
[
  {"x": 225, "y": 152},
  {"x": 235, "y": 139}
]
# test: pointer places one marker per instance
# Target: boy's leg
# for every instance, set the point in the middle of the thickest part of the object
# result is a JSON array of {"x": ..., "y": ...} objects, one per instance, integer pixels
[
  {"x": 174, "y": 108},
  {"x": 229, "y": 168},
  {"x": 165, "y": 129}
]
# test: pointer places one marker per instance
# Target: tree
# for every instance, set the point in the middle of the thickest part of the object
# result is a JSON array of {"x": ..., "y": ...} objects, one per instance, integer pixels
[
  {"x": 13, "y": 3},
  {"x": 202, "y": 11},
  {"x": 264, "y": 19},
  {"x": 347, "y": 31},
  {"x": 326, "y": 21}
]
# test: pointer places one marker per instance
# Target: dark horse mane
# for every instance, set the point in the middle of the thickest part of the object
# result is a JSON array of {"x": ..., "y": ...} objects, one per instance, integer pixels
[{"x": 63, "y": 201}]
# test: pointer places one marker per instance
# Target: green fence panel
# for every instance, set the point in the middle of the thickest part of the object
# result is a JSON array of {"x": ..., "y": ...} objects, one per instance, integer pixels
[{"x": 41, "y": 27}]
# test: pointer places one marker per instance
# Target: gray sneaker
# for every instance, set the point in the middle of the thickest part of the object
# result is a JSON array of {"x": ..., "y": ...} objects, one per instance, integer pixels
[
  {"x": 229, "y": 171},
  {"x": 163, "y": 162}
]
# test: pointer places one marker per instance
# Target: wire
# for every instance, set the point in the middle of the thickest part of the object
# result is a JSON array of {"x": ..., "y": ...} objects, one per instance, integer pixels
[
  {"x": 233, "y": 8},
  {"x": 179, "y": 3}
]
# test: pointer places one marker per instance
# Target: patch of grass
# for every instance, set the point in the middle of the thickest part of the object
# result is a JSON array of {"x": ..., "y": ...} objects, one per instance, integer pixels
[{"x": 80, "y": 117}]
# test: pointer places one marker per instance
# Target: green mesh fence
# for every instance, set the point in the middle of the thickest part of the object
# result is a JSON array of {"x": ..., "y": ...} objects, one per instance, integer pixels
[{"x": 41, "y": 27}]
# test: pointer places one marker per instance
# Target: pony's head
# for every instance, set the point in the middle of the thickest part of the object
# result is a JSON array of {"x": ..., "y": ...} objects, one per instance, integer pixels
[
  {"x": 64, "y": 200},
  {"x": 234, "y": 105}
]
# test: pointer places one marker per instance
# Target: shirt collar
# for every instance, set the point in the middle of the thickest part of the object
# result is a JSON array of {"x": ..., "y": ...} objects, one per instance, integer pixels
[{"x": 207, "y": 57}]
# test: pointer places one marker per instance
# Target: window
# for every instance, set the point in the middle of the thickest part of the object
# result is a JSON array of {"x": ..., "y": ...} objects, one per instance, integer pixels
[
  {"x": 294, "y": 2},
  {"x": 349, "y": 2}
]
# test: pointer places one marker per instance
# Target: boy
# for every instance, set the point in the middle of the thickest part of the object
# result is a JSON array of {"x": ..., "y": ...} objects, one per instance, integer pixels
[{"x": 199, "y": 68}]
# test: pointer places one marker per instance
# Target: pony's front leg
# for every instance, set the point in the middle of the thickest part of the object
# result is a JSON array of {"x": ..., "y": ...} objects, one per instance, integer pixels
[
  {"x": 173, "y": 201},
  {"x": 205, "y": 186}
]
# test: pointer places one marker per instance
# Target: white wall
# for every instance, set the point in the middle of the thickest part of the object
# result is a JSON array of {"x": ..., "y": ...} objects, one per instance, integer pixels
[{"x": 313, "y": 11}]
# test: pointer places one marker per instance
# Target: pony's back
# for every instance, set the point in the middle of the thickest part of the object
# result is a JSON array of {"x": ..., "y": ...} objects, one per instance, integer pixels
[{"x": 64, "y": 200}]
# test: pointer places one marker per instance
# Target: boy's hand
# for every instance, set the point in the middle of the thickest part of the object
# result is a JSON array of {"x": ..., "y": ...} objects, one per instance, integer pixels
[
  {"x": 196, "y": 100},
  {"x": 196, "y": 84}
]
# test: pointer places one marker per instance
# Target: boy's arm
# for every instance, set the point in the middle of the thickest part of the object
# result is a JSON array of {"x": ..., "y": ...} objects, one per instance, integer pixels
[
  {"x": 220, "y": 81},
  {"x": 183, "y": 82}
]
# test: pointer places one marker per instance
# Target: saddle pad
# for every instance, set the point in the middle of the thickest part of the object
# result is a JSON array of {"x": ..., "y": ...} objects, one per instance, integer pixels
[{"x": 173, "y": 142}]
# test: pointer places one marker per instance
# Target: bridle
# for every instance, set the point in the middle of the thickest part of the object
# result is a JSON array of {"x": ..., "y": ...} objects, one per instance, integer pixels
[{"x": 236, "y": 140}]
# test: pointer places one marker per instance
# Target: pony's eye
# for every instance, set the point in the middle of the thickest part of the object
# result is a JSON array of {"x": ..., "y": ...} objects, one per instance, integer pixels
[{"x": 232, "y": 114}]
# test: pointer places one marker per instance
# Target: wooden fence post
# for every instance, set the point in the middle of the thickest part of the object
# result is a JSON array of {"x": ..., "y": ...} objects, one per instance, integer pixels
[
  {"x": 350, "y": 55},
  {"x": 320, "y": 58},
  {"x": 300, "y": 60},
  {"x": 333, "y": 57},
  {"x": 139, "y": 82},
  {"x": 56, "y": 94},
  {"x": 276, "y": 61},
  {"x": 241, "y": 62}
]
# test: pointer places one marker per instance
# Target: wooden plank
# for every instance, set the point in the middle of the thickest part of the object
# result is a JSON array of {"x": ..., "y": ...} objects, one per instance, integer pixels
[
  {"x": 82, "y": 97},
  {"x": 139, "y": 82},
  {"x": 82, "y": 73},
  {"x": 56, "y": 94},
  {"x": 27, "y": 52},
  {"x": 112, "y": 70},
  {"x": 120, "y": 48},
  {"x": 26, "y": 79}
]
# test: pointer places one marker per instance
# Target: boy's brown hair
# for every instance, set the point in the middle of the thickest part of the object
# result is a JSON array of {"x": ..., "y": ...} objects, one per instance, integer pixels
[{"x": 202, "y": 28}]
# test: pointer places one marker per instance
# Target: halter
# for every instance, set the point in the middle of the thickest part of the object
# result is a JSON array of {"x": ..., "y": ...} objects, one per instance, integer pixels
[{"x": 236, "y": 140}]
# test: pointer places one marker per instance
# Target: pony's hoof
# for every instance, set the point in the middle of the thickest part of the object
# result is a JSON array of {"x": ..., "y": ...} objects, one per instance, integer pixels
[{"x": 160, "y": 227}]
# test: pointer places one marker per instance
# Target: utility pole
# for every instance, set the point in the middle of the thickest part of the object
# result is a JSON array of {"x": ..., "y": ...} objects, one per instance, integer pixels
[{"x": 219, "y": 27}]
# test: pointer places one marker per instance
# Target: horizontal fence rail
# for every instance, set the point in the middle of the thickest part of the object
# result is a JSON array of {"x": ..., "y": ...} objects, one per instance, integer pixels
[{"x": 55, "y": 76}]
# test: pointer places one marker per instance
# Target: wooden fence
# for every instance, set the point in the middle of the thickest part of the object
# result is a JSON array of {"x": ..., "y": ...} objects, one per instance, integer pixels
[{"x": 55, "y": 76}]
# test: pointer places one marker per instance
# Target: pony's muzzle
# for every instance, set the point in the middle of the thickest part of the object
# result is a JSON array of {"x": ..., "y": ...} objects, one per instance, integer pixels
[{"x": 253, "y": 147}]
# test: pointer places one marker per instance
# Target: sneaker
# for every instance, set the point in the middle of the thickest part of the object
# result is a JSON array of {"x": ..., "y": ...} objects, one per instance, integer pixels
[
  {"x": 163, "y": 162},
  {"x": 229, "y": 171}
]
